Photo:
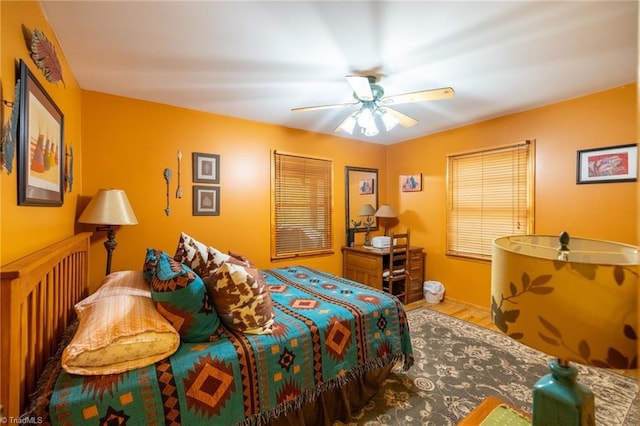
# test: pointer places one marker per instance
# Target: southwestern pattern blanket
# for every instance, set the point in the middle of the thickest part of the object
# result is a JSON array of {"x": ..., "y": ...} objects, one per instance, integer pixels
[{"x": 327, "y": 330}]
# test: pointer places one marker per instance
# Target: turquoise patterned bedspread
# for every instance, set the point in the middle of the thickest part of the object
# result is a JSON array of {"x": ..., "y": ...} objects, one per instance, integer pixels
[{"x": 327, "y": 330}]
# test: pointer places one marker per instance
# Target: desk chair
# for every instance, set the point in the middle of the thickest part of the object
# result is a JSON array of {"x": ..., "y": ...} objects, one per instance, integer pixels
[{"x": 395, "y": 277}]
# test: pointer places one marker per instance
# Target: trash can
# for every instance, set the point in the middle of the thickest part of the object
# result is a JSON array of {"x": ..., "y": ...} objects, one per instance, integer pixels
[{"x": 433, "y": 291}]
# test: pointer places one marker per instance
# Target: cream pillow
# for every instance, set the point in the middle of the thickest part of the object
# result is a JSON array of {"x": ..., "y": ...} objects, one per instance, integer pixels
[{"x": 118, "y": 333}]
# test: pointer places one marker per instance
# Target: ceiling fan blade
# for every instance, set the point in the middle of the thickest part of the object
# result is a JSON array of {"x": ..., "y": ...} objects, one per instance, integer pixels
[
  {"x": 361, "y": 87},
  {"x": 318, "y": 107},
  {"x": 424, "y": 95},
  {"x": 403, "y": 119}
]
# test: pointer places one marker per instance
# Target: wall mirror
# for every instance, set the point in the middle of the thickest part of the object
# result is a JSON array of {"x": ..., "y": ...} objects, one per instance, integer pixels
[{"x": 361, "y": 188}]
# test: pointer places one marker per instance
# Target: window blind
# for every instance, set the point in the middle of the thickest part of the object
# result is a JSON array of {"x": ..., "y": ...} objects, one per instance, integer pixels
[
  {"x": 302, "y": 206},
  {"x": 489, "y": 194}
]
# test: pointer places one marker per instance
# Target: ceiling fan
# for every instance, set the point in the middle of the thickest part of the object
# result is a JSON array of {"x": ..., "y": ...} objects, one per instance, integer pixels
[{"x": 370, "y": 97}]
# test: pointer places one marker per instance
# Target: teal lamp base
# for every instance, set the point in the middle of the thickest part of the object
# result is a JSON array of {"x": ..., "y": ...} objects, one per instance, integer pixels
[{"x": 558, "y": 400}]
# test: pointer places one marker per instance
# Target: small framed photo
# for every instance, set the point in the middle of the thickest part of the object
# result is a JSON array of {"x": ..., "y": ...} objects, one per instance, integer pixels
[
  {"x": 206, "y": 168},
  {"x": 365, "y": 186},
  {"x": 411, "y": 183},
  {"x": 206, "y": 200},
  {"x": 40, "y": 145},
  {"x": 609, "y": 164}
]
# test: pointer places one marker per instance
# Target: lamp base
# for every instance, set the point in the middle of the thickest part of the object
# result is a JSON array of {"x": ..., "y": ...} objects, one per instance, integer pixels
[{"x": 558, "y": 400}]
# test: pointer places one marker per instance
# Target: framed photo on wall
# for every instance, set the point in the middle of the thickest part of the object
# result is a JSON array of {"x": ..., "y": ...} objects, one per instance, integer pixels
[
  {"x": 40, "y": 145},
  {"x": 206, "y": 200},
  {"x": 411, "y": 183},
  {"x": 206, "y": 168},
  {"x": 609, "y": 164}
]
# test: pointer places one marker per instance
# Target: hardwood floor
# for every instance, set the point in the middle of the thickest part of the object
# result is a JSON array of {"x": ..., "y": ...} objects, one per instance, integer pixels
[{"x": 479, "y": 316}]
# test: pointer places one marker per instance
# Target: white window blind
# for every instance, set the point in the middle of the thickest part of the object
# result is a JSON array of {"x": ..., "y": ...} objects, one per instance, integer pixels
[
  {"x": 302, "y": 206},
  {"x": 489, "y": 194}
]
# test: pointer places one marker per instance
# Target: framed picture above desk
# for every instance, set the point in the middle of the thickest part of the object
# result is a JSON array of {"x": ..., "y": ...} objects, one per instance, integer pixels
[{"x": 366, "y": 265}]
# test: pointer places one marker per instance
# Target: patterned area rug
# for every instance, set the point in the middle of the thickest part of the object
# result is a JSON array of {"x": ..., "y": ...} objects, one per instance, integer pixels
[{"x": 458, "y": 364}]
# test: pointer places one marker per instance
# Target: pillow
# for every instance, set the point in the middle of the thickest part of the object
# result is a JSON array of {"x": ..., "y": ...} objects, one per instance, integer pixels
[
  {"x": 118, "y": 333},
  {"x": 241, "y": 298},
  {"x": 182, "y": 298},
  {"x": 119, "y": 283},
  {"x": 203, "y": 259}
]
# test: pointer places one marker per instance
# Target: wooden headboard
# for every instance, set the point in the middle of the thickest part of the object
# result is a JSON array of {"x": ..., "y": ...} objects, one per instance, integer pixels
[{"x": 37, "y": 296}]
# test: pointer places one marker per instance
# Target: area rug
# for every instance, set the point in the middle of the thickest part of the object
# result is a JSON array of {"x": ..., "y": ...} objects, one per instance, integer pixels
[{"x": 459, "y": 364}]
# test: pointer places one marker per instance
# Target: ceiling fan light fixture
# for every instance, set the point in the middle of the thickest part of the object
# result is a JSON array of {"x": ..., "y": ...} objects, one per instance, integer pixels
[
  {"x": 365, "y": 118},
  {"x": 372, "y": 130},
  {"x": 389, "y": 120},
  {"x": 349, "y": 124}
]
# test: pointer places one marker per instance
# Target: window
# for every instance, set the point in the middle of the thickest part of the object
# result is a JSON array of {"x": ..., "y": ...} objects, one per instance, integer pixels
[
  {"x": 489, "y": 194},
  {"x": 301, "y": 206}
]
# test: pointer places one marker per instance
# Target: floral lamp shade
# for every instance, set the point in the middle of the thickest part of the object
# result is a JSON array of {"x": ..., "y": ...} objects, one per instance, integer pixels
[{"x": 576, "y": 301}]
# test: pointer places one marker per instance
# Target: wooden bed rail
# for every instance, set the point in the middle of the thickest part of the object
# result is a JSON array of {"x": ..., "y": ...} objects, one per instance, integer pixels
[{"x": 37, "y": 296}]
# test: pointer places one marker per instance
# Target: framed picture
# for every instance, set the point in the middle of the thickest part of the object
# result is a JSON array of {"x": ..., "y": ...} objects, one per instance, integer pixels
[
  {"x": 411, "y": 183},
  {"x": 40, "y": 145},
  {"x": 609, "y": 164},
  {"x": 365, "y": 186},
  {"x": 206, "y": 168},
  {"x": 206, "y": 200}
]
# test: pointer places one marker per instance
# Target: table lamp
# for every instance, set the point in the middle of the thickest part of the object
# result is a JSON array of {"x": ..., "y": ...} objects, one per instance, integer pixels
[
  {"x": 107, "y": 208},
  {"x": 574, "y": 299},
  {"x": 386, "y": 212},
  {"x": 368, "y": 211}
]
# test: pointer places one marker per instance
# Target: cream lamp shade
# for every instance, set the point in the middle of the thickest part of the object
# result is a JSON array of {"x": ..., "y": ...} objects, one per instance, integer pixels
[
  {"x": 386, "y": 211},
  {"x": 109, "y": 207},
  {"x": 366, "y": 210}
]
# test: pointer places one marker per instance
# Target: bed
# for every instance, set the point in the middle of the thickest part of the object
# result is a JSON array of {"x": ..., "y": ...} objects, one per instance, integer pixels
[{"x": 333, "y": 343}]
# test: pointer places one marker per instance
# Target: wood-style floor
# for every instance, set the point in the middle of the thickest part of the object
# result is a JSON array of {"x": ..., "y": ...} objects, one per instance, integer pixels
[{"x": 479, "y": 316}]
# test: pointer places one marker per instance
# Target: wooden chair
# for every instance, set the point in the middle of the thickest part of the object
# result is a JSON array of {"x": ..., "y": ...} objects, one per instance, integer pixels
[{"x": 395, "y": 277}]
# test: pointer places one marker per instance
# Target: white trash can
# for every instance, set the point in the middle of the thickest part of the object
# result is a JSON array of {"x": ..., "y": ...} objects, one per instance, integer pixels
[{"x": 433, "y": 291}]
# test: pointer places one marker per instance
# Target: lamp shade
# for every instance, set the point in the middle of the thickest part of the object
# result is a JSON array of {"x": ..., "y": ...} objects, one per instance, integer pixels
[
  {"x": 366, "y": 210},
  {"x": 577, "y": 303},
  {"x": 109, "y": 207},
  {"x": 386, "y": 210}
]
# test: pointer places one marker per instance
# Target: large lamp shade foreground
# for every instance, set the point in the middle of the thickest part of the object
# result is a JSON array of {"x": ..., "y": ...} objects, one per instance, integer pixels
[{"x": 574, "y": 299}]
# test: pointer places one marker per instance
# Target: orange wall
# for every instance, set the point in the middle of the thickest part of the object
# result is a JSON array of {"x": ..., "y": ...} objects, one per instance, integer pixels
[
  {"x": 607, "y": 211},
  {"x": 131, "y": 142},
  {"x": 26, "y": 229}
]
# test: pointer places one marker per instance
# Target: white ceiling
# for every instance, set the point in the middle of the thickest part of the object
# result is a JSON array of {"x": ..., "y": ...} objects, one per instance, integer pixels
[{"x": 258, "y": 59}]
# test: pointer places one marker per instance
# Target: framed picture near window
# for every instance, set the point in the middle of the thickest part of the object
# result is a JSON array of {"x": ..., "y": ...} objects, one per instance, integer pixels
[
  {"x": 206, "y": 200},
  {"x": 206, "y": 168},
  {"x": 40, "y": 145},
  {"x": 608, "y": 164},
  {"x": 411, "y": 183}
]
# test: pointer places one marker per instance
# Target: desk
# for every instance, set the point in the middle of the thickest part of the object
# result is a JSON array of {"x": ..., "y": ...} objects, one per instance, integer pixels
[{"x": 365, "y": 265}]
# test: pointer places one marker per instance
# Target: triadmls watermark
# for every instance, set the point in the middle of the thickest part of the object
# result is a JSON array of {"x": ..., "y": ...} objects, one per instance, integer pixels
[{"x": 27, "y": 420}]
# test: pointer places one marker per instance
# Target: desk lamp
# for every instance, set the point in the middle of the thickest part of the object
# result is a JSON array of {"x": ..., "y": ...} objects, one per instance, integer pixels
[
  {"x": 386, "y": 212},
  {"x": 574, "y": 299},
  {"x": 368, "y": 211},
  {"x": 107, "y": 208}
]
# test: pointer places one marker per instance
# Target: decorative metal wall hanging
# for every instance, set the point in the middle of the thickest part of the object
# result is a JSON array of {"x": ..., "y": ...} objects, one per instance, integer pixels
[
  {"x": 179, "y": 188},
  {"x": 10, "y": 132},
  {"x": 167, "y": 178},
  {"x": 44, "y": 55}
]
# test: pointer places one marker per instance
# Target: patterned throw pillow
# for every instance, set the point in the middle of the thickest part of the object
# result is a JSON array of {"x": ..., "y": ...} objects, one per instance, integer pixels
[
  {"x": 203, "y": 259},
  {"x": 241, "y": 298},
  {"x": 181, "y": 297}
]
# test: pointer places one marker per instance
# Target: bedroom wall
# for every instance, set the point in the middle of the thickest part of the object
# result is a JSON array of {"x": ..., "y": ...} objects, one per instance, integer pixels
[
  {"x": 129, "y": 143},
  {"x": 26, "y": 229},
  {"x": 605, "y": 211}
]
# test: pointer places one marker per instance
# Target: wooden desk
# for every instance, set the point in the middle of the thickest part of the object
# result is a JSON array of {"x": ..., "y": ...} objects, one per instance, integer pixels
[
  {"x": 486, "y": 407},
  {"x": 365, "y": 265}
]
